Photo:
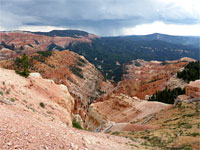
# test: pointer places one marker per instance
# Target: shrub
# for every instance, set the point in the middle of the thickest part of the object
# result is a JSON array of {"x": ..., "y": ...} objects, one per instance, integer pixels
[
  {"x": 12, "y": 99},
  {"x": 82, "y": 60},
  {"x": 76, "y": 124},
  {"x": 193, "y": 134},
  {"x": 76, "y": 70},
  {"x": 42, "y": 104},
  {"x": 198, "y": 125},
  {"x": 45, "y": 53},
  {"x": 115, "y": 133},
  {"x": 8, "y": 91},
  {"x": 36, "y": 42}
]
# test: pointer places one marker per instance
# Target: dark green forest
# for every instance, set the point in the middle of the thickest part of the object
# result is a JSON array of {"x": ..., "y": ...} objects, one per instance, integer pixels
[
  {"x": 105, "y": 52},
  {"x": 191, "y": 72},
  {"x": 167, "y": 96},
  {"x": 64, "y": 33}
]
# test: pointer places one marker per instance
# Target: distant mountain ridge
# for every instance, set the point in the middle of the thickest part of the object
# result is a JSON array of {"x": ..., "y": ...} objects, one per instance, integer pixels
[
  {"x": 108, "y": 54},
  {"x": 183, "y": 40},
  {"x": 64, "y": 33}
]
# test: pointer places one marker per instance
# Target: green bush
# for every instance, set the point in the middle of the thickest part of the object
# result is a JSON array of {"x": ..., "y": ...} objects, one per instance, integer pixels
[
  {"x": 76, "y": 70},
  {"x": 45, "y": 53},
  {"x": 76, "y": 124},
  {"x": 1, "y": 93},
  {"x": 115, "y": 133},
  {"x": 42, "y": 104},
  {"x": 82, "y": 60},
  {"x": 12, "y": 99}
]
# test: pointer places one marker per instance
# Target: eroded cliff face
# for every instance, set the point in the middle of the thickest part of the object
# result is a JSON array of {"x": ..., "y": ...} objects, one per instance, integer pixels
[
  {"x": 84, "y": 81},
  {"x": 17, "y": 43},
  {"x": 143, "y": 78},
  {"x": 127, "y": 103}
]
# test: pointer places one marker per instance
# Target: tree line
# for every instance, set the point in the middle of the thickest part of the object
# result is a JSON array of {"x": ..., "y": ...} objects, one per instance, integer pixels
[{"x": 167, "y": 95}]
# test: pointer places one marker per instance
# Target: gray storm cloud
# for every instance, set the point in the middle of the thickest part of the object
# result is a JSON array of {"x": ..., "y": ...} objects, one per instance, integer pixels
[{"x": 103, "y": 17}]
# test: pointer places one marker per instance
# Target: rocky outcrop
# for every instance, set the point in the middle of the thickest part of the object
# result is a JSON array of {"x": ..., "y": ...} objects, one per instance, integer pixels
[
  {"x": 175, "y": 82},
  {"x": 193, "y": 89},
  {"x": 6, "y": 53}
]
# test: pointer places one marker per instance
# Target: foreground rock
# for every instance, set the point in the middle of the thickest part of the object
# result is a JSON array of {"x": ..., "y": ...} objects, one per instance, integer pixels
[
  {"x": 35, "y": 113},
  {"x": 24, "y": 130},
  {"x": 33, "y": 93}
]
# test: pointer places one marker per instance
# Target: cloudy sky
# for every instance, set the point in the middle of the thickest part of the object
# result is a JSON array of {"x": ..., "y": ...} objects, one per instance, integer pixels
[{"x": 103, "y": 17}]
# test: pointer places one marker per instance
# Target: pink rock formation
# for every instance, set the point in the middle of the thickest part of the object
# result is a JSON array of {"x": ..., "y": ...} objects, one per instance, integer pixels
[
  {"x": 24, "y": 124},
  {"x": 193, "y": 89},
  {"x": 30, "y": 43}
]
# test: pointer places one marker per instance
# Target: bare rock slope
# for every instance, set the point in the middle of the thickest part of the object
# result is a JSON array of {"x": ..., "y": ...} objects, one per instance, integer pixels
[
  {"x": 35, "y": 113},
  {"x": 84, "y": 81}
]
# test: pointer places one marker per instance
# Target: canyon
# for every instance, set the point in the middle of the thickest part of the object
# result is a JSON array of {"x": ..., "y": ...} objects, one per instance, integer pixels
[{"x": 64, "y": 86}]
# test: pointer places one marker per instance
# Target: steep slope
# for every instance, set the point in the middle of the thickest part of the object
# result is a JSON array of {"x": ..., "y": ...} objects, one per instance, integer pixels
[
  {"x": 33, "y": 93},
  {"x": 83, "y": 80},
  {"x": 36, "y": 113},
  {"x": 143, "y": 78}
]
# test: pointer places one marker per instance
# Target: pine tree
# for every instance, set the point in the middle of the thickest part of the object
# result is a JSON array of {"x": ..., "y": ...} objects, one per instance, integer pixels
[
  {"x": 22, "y": 65},
  {"x": 25, "y": 65}
]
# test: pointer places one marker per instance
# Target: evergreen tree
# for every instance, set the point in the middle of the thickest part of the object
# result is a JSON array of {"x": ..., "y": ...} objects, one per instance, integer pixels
[
  {"x": 167, "y": 96},
  {"x": 191, "y": 72},
  {"x": 25, "y": 65},
  {"x": 22, "y": 65}
]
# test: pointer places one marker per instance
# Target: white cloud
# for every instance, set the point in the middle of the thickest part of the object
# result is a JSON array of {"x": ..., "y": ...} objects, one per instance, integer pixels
[
  {"x": 40, "y": 28},
  {"x": 160, "y": 27},
  {"x": 103, "y": 17}
]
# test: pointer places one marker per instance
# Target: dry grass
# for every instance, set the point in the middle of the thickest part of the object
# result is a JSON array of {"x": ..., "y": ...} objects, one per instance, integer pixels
[{"x": 178, "y": 128}]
